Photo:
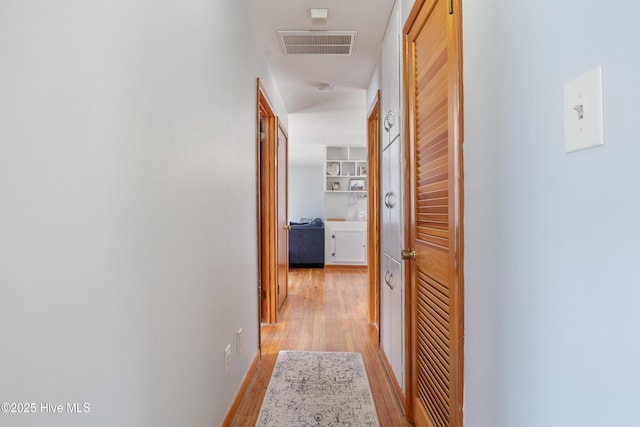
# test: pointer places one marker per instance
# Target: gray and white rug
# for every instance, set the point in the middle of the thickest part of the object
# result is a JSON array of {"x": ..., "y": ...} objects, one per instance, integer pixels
[{"x": 318, "y": 389}]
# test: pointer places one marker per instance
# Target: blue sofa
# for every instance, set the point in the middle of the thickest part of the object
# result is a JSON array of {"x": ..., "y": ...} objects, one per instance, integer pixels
[{"x": 306, "y": 244}]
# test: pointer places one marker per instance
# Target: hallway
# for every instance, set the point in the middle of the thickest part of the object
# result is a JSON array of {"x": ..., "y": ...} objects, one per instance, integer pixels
[{"x": 326, "y": 311}]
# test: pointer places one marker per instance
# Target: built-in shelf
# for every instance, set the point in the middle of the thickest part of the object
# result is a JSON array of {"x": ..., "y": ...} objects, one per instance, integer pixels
[{"x": 345, "y": 169}]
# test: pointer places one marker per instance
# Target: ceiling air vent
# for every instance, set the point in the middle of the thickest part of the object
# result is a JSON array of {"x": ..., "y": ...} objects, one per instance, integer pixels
[{"x": 317, "y": 42}]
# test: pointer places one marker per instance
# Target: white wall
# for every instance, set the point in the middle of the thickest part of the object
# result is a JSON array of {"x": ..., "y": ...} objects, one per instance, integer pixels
[
  {"x": 127, "y": 220},
  {"x": 344, "y": 205},
  {"x": 306, "y": 194},
  {"x": 551, "y": 239},
  {"x": 341, "y": 120},
  {"x": 374, "y": 85}
]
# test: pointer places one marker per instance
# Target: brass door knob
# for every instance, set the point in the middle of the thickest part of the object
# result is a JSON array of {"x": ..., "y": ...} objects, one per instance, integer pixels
[{"x": 408, "y": 253}]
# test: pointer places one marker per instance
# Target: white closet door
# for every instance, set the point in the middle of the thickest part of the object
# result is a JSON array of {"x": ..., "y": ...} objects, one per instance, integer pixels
[
  {"x": 392, "y": 315},
  {"x": 390, "y": 76},
  {"x": 385, "y": 226},
  {"x": 391, "y": 203},
  {"x": 392, "y": 282}
]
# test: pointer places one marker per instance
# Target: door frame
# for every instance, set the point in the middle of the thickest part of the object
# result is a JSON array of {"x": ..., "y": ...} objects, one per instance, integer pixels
[
  {"x": 266, "y": 140},
  {"x": 282, "y": 230},
  {"x": 373, "y": 207}
]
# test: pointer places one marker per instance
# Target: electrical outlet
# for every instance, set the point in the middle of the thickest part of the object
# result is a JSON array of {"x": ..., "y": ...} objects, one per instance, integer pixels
[
  {"x": 227, "y": 359},
  {"x": 240, "y": 340}
]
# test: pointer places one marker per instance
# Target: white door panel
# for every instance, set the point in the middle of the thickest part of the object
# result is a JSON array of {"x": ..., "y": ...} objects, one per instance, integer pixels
[
  {"x": 390, "y": 77},
  {"x": 392, "y": 202},
  {"x": 392, "y": 316},
  {"x": 385, "y": 226}
]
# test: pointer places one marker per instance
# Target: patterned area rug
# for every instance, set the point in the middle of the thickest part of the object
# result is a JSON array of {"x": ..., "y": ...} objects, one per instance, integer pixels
[{"x": 318, "y": 389}]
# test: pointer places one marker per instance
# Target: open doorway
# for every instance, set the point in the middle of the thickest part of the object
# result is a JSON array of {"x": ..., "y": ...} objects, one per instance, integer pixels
[
  {"x": 271, "y": 157},
  {"x": 373, "y": 228}
]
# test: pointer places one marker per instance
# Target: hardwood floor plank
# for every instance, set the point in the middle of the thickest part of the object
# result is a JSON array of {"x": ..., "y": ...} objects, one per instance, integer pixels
[{"x": 326, "y": 311}]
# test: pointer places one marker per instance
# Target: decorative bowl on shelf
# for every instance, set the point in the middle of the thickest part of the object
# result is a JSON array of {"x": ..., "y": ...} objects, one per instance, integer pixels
[{"x": 333, "y": 169}]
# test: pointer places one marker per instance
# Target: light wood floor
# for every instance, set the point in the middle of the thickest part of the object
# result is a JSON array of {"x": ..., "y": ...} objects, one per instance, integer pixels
[{"x": 326, "y": 311}]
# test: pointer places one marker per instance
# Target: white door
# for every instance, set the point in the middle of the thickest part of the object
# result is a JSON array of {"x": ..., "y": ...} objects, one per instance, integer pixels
[
  {"x": 392, "y": 292},
  {"x": 392, "y": 317},
  {"x": 391, "y": 202},
  {"x": 390, "y": 75}
]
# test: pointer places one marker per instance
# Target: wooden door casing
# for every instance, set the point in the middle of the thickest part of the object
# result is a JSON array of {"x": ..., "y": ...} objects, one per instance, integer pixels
[
  {"x": 373, "y": 207},
  {"x": 282, "y": 261},
  {"x": 433, "y": 70},
  {"x": 267, "y": 204}
]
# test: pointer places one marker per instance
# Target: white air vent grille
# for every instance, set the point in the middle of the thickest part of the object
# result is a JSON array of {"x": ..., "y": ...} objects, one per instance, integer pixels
[{"x": 317, "y": 42}]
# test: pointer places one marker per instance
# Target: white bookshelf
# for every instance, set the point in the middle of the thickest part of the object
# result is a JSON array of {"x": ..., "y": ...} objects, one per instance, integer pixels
[{"x": 345, "y": 169}]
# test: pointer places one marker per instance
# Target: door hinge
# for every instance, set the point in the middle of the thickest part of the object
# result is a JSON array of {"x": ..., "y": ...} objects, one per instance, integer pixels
[{"x": 450, "y": 7}]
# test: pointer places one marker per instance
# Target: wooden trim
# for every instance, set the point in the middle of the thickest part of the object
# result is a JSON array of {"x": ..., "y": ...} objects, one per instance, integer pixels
[
  {"x": 391, "y": 376},
  {"x": 282, "y": 218},
  {"x": 267, "y": 219},
  {"x": 408, "y": 266},
  {"x": 373, "y": 223},
  {"x": 456, "y": 129},
  {"x": 233, "y": 409},
  {"x": 259, "y": 212},
  {"x": 286, "y": 189}
]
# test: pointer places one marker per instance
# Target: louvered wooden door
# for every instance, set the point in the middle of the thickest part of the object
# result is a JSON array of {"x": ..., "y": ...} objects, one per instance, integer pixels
[{"x": 432, "y": 41}]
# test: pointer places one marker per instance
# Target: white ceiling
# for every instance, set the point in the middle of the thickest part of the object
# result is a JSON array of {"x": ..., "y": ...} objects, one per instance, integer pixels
[{"x": 298, "y": 76}]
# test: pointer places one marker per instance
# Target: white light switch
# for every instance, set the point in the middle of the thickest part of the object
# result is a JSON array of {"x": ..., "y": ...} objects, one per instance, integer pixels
[{"x": 583, "y": 112}]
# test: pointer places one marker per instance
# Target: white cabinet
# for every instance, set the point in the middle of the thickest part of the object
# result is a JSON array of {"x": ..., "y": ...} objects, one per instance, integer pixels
[
  {"x": 391, "y": 88},
  {"x": 391, "y": 227},
  {"x": 392, "y": 290},
  {"x": 345, "y": 169},
  {"x": 392, "y": 316},
  {"x": 392, "y": 287},
  {"x": 392, "y": 149},
  {"x": 345, "y": 243}
]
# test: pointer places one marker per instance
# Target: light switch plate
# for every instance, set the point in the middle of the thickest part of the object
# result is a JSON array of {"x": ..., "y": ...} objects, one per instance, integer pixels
[
  {"x": 227, "y": 359},
  {"x": 583, "y": 112},
  {"x": 239, "y": 340}
]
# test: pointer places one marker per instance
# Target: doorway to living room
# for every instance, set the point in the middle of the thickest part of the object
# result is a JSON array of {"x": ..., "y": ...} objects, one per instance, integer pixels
[{"x": 272, "y": 239}]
